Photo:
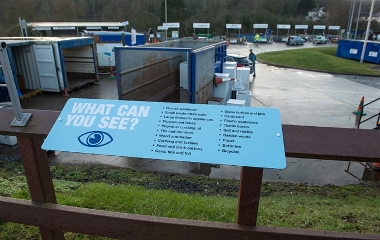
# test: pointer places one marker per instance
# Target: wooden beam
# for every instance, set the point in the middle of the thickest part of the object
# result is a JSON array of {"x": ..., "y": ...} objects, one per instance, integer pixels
[{"x": 131, "y": 226}]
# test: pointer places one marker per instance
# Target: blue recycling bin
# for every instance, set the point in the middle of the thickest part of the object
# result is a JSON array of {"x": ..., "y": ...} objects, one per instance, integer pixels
[{"x": 352, "y": 49}]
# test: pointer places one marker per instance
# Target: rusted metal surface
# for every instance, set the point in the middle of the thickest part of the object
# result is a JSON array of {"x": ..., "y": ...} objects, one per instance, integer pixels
[
  {"x": 203, "y": 93},
  {"x": 203, "y": 59},
  {"x": 249, "y": 195},
  {"x": 143, "y": 74},
  {"x": 343, "y": 144},
  {"x": 146, "y": 65},
  {"x": 131, "y": 226},
  {"x": 140, "y": 92}
]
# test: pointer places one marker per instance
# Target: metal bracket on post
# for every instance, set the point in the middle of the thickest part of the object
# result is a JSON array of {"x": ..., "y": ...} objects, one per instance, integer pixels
[{"x": 21, "y": 118}]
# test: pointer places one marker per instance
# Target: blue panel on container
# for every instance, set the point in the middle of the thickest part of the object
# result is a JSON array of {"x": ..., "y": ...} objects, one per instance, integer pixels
[
  {"x": 372, "y": 53},
  {"x": 76, "y": 42},
  {"x": 4, "y": 94},
  {"x": 231, "y": 135},
  {"x": 353, "y": 49}
]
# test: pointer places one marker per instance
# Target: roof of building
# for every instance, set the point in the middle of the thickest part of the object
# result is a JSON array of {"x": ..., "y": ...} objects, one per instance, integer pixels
[
  {"x": 75, "y": 24},
  {"x": 97, "y": 33}
]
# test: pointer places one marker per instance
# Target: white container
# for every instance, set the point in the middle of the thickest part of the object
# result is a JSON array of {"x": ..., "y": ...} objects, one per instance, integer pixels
[
  {"x": 230, "y": 69},
  {"x": 244, "y": 95},
  {"x": 223, "y": 90},
  {"x": 236, "y": 102},
  {"x": 230, "y": 64},
  {"x": 222, "y": 75},
  {"x": 244, "y": 74},
  {"x": 8, "y": 140},
  {"x": 238, "y": 84}
]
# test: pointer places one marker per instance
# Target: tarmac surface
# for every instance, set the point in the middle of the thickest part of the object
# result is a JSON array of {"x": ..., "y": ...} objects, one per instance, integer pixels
[{"x": 303, "y": 98}]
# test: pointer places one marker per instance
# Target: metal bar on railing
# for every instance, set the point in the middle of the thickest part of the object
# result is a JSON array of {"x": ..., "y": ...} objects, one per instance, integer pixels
[
  {"x": 362, "y": 112},
  {"x": 300, "y": 141},
  {"x": 369, "y": 118},
  {"x": 21, "y": 118},
  {"x": 371, "y": 102}
]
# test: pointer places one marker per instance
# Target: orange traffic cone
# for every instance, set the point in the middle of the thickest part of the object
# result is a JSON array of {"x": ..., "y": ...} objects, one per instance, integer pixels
[
  {"x": 359, "y": 111},
  {"x": 112, "y": 73},
  {"x": 65, "y": 92}
]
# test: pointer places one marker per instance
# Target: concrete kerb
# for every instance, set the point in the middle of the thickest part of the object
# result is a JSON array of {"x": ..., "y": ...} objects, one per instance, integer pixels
[{"x": 313, "y": 70}]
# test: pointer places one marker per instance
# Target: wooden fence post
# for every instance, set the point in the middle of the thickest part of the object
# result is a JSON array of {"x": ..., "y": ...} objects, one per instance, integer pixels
[
  {"x": 37, "y": 171},
  {"x": 249, "y": 195}
]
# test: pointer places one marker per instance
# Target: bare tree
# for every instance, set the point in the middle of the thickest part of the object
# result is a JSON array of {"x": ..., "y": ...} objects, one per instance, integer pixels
[{"x": 338, "y": 12}]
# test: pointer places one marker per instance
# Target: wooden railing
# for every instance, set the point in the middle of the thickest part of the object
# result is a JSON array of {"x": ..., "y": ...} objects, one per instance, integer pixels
[{"x": 356, "y": 145}]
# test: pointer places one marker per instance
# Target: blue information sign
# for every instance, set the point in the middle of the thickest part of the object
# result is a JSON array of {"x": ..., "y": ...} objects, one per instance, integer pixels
[{"x": 215, "y": 134}]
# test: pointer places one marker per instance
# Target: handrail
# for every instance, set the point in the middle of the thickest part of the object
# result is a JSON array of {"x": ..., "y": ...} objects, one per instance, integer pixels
[
  {"x": 368, "y": 118},
  {"x": 132, "y": 226},
  {"x": 299, "y": 141}
]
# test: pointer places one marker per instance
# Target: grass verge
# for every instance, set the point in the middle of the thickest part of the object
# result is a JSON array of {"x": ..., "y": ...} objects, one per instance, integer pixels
[
  {"x": 351, "y": 208},
  {"x": 322, "y": 59}
]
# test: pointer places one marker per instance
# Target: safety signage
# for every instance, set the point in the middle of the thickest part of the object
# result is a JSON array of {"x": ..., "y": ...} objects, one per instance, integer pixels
[
  {"x": 233, "y": 26},
  {"x": 227, "y": 135},
  {"x": 334, "y": 27},
  {"x": 319, "y": 27},
  {"x": 301, "y": 27},
  {"x": 283, "y": 26},
  {"x": 260, "y": 25},
  {"x": 171, "y": 25},
  {"x": 201, "y": 25}
]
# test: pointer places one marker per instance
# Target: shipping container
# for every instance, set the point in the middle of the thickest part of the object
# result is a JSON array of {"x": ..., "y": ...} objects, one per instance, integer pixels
[
  {"x": 115, "y": 37},
  {"x": 106, "y": 41},
  {"x": 152, "y": 72},
  {"x": 52, "y": 64}
]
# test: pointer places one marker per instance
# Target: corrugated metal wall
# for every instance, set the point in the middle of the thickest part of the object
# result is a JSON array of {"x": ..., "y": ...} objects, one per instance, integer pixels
[
  {"x": 150, "y": 71},
  {"x": 26, "y": 67},
  {"x": 203, "y": 71},
  {"x": 147, "y": 75}
]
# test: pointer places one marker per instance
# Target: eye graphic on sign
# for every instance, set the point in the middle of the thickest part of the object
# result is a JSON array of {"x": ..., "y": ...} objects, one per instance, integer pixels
[{"x": 95, "y": 139}]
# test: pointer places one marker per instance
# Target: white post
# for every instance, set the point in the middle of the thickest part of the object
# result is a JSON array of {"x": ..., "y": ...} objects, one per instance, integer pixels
[
  {"x": 367, "y": 32},
  {"x": 357, "y": 20},
  {"x": 166, "y": 20},
  {"x": 352, "y": 16}
]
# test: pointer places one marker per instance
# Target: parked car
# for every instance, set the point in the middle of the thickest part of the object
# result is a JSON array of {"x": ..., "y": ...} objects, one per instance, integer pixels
[
  {"x": 294, "y": 40},
  {"x": 241, "y": 60},
  {"x": 320, "y": 39},
  {"x": 305, "y": 38},
  {"x": 335, "y": 39}
]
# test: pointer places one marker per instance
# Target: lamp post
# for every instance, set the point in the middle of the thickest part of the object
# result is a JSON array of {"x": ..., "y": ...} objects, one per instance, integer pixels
[
  {"x": 357, "y": 20},
  {"x": 351, "y": 17},
  {"x": 367, "y": 32},
  {"x": 166, "y": 21}
]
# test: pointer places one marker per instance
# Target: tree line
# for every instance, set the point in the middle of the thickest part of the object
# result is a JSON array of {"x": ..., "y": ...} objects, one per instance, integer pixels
[{"x": 145, "y": 14}]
